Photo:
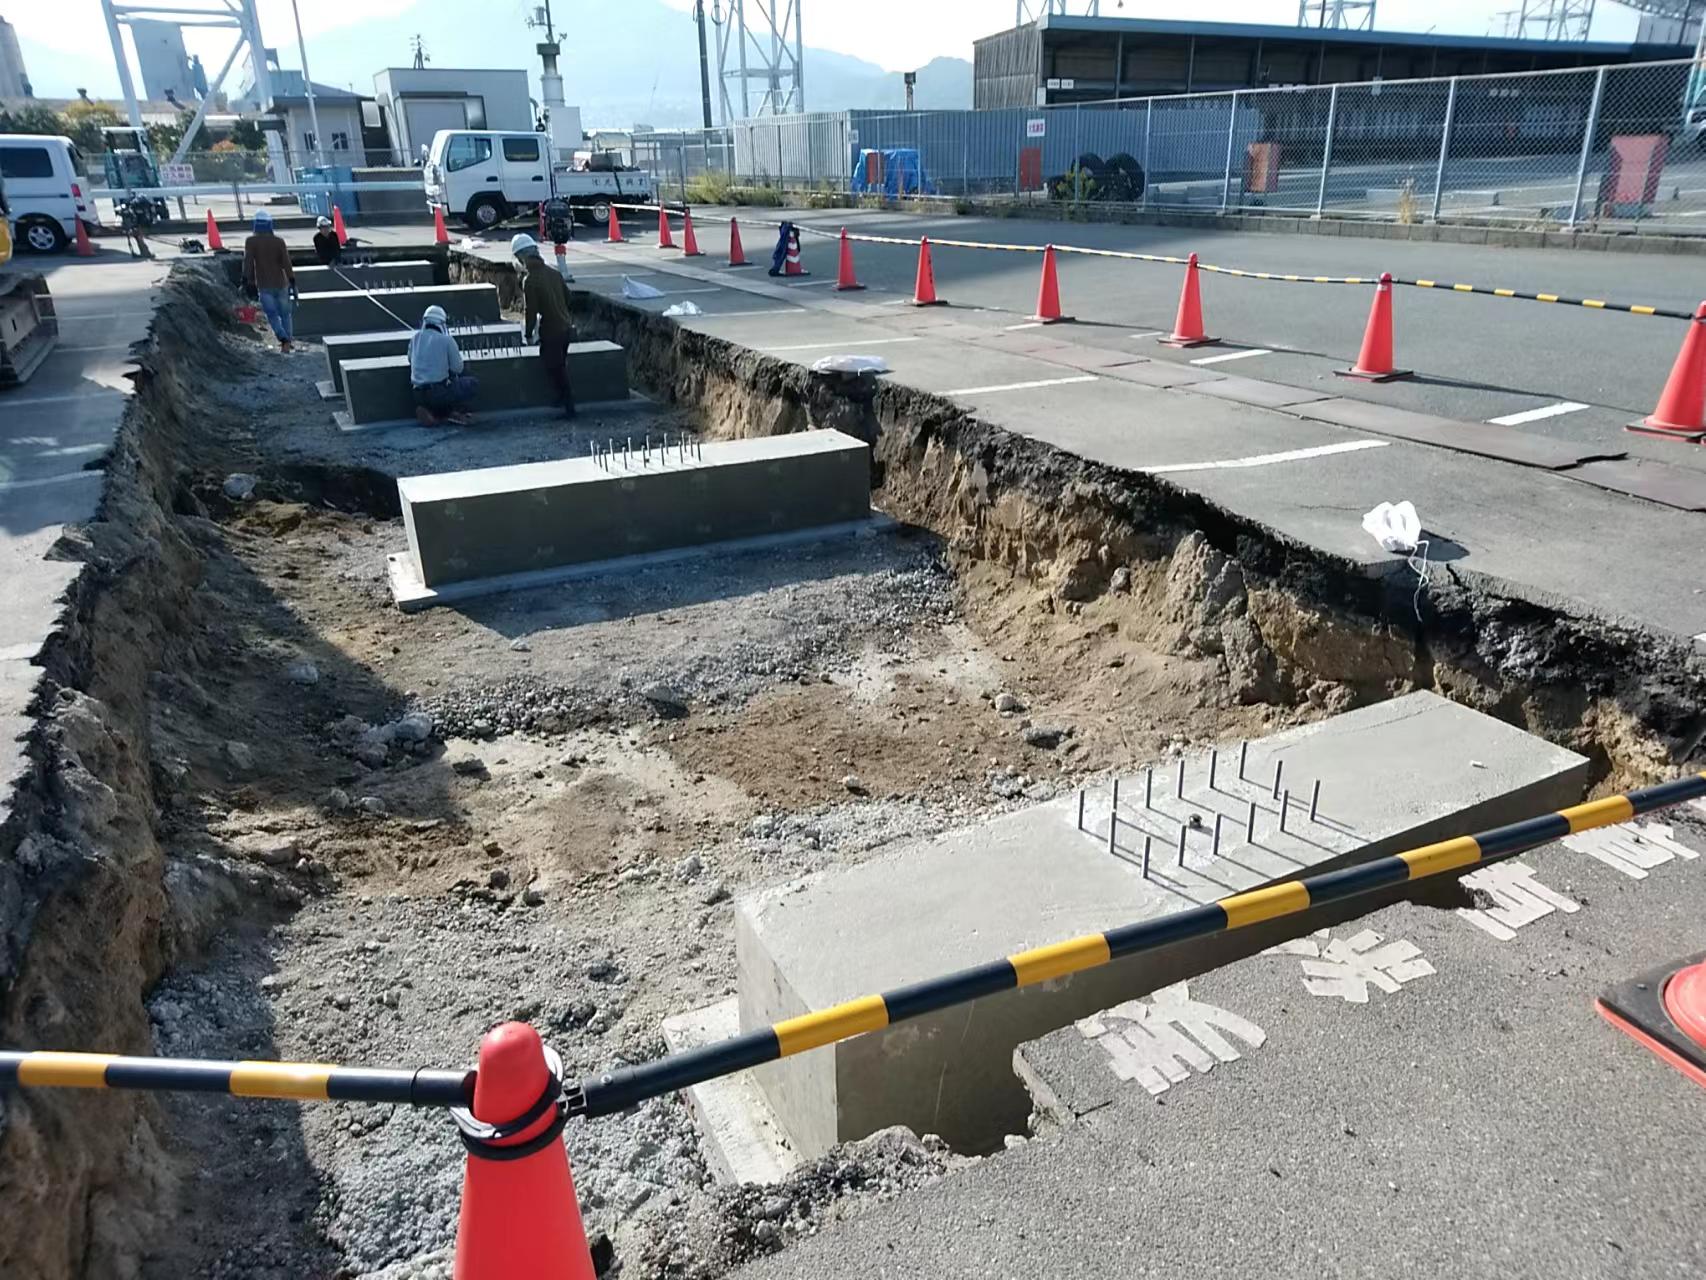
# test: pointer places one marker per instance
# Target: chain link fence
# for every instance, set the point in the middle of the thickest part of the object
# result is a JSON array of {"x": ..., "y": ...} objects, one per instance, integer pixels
[{"x": 1617, "y": 147}]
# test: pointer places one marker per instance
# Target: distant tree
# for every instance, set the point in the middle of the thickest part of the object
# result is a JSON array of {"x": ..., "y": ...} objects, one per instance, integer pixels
[
  {"x": 164, "y": 138},
  {"x": 32, "y": 120},
  {"x": 84, "y": 121},
  {"x": 247, "y": 134}
]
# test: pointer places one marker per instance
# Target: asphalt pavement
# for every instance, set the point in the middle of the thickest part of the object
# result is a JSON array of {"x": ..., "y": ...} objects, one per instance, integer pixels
[
  {"x": 54, "y": 432},
  {"x": 1419, "y": 1093}
]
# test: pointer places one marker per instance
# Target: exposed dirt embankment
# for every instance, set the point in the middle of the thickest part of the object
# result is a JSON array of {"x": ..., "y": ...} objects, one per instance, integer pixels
[
  {"x": 83, "y": 903},
  {"x": 1168, "y": 568}
]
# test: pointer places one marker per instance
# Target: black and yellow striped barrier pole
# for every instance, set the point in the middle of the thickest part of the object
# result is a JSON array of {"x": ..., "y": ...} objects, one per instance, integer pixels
[
  {"x": 293, "y": 1081},
  {"x": 619, "y": 1090},
  {"x": 622, "y": 1089}
]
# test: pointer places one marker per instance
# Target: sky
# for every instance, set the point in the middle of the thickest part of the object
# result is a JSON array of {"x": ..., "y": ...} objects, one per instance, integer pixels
[{"x": 65, "y": 43}]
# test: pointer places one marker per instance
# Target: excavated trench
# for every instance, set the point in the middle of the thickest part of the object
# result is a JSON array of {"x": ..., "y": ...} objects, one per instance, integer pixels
[
  {"x": 1288, "y": 624},
  {"x": 93, "y": 911}
]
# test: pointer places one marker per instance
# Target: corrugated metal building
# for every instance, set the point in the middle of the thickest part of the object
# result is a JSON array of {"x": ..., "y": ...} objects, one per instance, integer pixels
[{"x": 1060, "y": 59}]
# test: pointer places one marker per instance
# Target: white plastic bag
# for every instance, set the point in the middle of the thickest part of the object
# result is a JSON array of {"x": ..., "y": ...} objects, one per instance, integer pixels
[
  {"x": 683, "y": 309},
  {"x": 632, "y": 288},
  {"x": 851, "y": 364},
  {"x": 1396, "y": 527}
]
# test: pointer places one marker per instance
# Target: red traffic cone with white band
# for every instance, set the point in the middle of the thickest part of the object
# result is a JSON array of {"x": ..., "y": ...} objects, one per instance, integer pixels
[
  {"x": 1048, "y": 293},
  {"x": 792, "y": 265},
  {"x": 519, "y": 1214},
  {"x": 1374, "y": 361},
  {"x": 737, "y": 254},
  {"x": 613, "y": 233},
  {"x": 665, "y": 240},
  {"x": 1681, "y": 411},
  {"x": 85, "y": 246},
  {"x": 845, "y": 280},
  {"x": 1664, "y": 1010},
  {"x": 1187, "y": 323},
  {"x": 689, "y": 242},
  {"x": 338, "y": 225},
  {"x": 214, "y": 243},
  {"x": 440, "y": 232},
  {"x": 924, "y": 287}
]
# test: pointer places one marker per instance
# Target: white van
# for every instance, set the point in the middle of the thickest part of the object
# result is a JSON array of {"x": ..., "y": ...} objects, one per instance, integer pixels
[
  {"x": 44, "y": 186},
  {"x": 487, "y": 177}
]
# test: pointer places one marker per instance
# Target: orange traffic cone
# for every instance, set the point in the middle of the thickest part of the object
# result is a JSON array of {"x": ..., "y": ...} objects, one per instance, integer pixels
[
  {"x": 791, "y": 264},
  {"x": 214, "y": 243},
  {"x": 440, "y": 232},
  {"x": 924, "y": 287},
  {"x": 541, "y": 234},
  {"x": 338, "y": 225},
  {"x": 613, "y": 233},
  {"x": 1048, "y": 296},
  {"x": 689, "y": 242},
  {"x": 85, "y": 248},
  {"x": 845, "y": 280},
  {"x": 665, "y": 240},
  {"x": 1681, "y": 412},
  {"x": 1187, "y": 324},
  {"x": 1374, "y": 361},
  {"x": 737, "y": 255},
  {"x": 519, "y": 1215}
]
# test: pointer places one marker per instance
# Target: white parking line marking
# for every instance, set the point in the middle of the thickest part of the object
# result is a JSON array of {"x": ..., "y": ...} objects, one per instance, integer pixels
[
  {"x": 1518, "y": 899},
  {"x": 1019, "y": 386},
  {"x": 1631, "y": 849},
  {"x": 1234, "y": 355},
  {"x": 1535, "y": 415},
  {"x": 767, "y": 311},
  {"x": 862, "y": 342},
  {"x": 1029, "y": 324},
  {"x": 64, "y": 478},
  {"x": 1265, "y": 459},
  {"x": 1147, "y": 333}
]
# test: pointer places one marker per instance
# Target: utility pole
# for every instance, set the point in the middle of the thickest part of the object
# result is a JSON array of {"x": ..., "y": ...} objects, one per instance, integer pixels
[
  {"x": 308, "y": 88},
  {"x": 704, "y": 62},
  {"x": 550, "y": 80}
]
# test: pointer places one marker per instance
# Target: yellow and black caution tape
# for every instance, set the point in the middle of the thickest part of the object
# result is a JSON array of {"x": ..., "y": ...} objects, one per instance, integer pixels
[
  {"x": 1593, "y": 304},
  {"x": 622, "y": 1089},
  {"x": 619, "y": 1090}
]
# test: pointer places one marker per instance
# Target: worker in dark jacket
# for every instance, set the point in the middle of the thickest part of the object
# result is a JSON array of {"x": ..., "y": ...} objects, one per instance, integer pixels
[
  {"x": 269, "y": 277},
  {"x": 545, "y": 300},
  {"x": 328, "y": 249}
]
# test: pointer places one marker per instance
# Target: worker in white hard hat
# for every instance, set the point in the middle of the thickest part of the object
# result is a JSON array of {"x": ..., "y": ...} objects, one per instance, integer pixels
[
  {"x": 328, "y": 249},
  {"x": 545, "y": 300},
  {"x": 440, "y": 387}
]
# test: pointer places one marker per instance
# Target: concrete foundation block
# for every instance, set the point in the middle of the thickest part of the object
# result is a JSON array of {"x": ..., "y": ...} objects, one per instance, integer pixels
[
  {"x": 379, "y": 275},
  {"x": 378, "y": 389},
  {"x": 1393, "y": 776},
  {"x": 395, "y": 342},
  {"x": 471, "y": 525},
  {"x": 352, "y": 311}
]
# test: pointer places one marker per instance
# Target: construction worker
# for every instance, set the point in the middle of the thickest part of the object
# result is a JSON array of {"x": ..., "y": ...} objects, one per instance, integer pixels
[
  {"x": 546, "y": 308},
  {"x": 327, "y": 247},
  {"x": 786, "y": 239},
  {"x": 269, "y": 278},
  {"x": 435, "y": 373}
]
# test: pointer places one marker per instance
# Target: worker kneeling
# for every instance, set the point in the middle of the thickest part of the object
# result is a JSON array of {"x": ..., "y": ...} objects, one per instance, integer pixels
[
  {"x": 546, "y": 302},
  {"x": 435, "y": 373}
]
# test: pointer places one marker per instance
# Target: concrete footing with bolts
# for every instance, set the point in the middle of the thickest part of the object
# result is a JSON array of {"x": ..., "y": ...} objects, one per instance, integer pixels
[{"x": 1037, "y": 876}]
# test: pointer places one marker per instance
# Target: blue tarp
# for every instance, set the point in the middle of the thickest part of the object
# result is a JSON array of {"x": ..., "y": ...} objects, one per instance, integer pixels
[{"x": 902, "y": 173}]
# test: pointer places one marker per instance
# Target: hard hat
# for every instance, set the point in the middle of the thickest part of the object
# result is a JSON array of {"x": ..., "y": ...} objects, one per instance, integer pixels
[
  {"x": 434, "y": 315},
  {"x": 322, "y": 222},
  {"x": 522, "y": 243},
  {"x": 262, "y": 218}
]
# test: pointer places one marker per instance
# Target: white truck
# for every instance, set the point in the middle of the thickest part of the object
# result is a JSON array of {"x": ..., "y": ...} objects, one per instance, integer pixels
[{"x": 490, "y": 177}]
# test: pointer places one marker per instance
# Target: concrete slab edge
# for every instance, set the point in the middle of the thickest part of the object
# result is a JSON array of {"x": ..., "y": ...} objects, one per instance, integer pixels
[
  {"x": 344, "y": 423},
  {"x": 411, "y": 595},
  {"x": 742, "y": 1140}
]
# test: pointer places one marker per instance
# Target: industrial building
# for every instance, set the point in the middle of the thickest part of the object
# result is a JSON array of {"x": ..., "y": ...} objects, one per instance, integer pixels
[{"x": 1061, "y": 59}]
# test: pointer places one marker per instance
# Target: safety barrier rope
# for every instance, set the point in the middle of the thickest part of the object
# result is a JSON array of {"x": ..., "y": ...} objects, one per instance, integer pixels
[
  {"x": 1595, "y": 304},
  {"x": 622, "y": 1089},
  {"x": 619, "y": 1090}
]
